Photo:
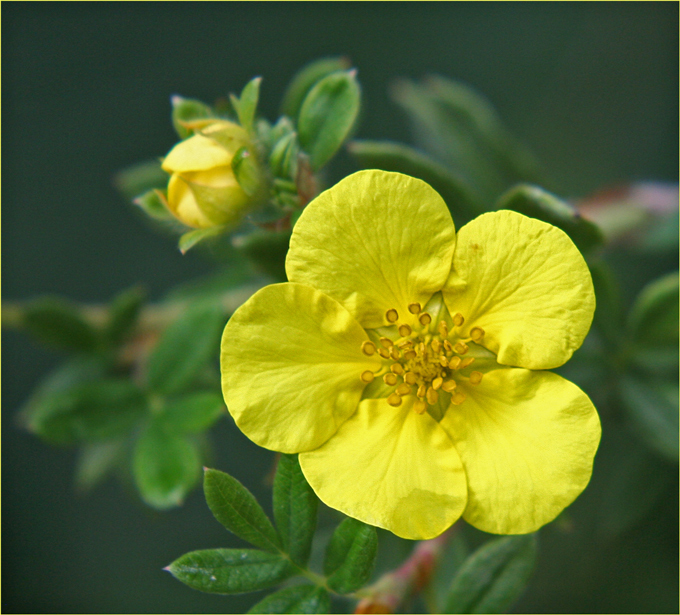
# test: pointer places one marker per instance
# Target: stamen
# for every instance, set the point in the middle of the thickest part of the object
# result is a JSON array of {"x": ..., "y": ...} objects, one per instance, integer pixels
[
  {"x": 443, "y": 361},
  {"x": 397, "y": 368},
  {"x": 404, "y": 330},
  {"x": 476, "y": 333},
  {"x": 403, "y": 389},
  {"x": 443, "y": 329},
  {"x": 419, "y": 406},
  {"x": 458, "y": 398},
  {"x": 410, "y": 354},
  {"x": 394, "y": 400},
  {"x": 414, "y": 308},
  {"x": 425, "y": 319},
  {"x": 435, "y": 345},
  {"x": 432, "y": 396},
  {"x": 390, "y": 379},
  {"x": 394, "y": 353},
  {"x": 466, "y": 362},
  {"x": 386, "y": 342},
  {"x": 383, "y": 353},
  {"x": 458, "y": 319},
  {"x": 454, "y": 363},
  {"x": 475, "y": 377},
  {"x": 461, "y": 348},
  {"x": 422, "y": 390},
  {"x": 410, "y": 378},
  {"x": 405, "y": 344},
  {"x": 367, "y": 376},
  {"x": 449, "y": 386},
  {"x": 448, "y": 346},
  {"x": 392, "y": 315},
  {"x": 368, "y": 348},
  {"x": 437, "y": 383}
]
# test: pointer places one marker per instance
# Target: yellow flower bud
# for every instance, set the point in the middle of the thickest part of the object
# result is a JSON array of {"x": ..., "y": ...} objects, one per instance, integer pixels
[{"x": 203, "y": 191}]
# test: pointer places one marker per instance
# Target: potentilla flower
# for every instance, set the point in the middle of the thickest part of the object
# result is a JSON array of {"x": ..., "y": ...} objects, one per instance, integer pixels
[{"x": 406, "y": 363}]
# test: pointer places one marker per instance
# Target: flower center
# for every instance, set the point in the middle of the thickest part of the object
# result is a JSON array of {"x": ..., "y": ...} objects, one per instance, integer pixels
[{"x": 424, "y": 360}]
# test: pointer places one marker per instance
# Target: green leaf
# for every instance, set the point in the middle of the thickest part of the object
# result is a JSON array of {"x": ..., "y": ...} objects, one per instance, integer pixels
[
  {"x": 214, "y": 285},
  {"x": 139, "y": 178},
  {"x": 266, "y": 249},
  {"x": 494, "y": 576},
  {"x": 284, "y": 156},
  {"x": 187, "y": 110},
  {"x": 295, "y": 508},
  {"x": 609, "y": 307},
  {"x": 96, "y": 461},
  {"x": 246, "y": 171},
  {"x": 58, "y": 323},
  {"x": 652, "y": 406},
  {"x": 305, "y": 79},
  {"x": 238, "y": 511},
  {"x": 192, "y": 238},
  {"x": 192, "y": 413},
  {"x": 166, "y": 467},
  {"x": 327, "y": 116},
  {"x": 537, "y": 203},
  {"x": 230, "y": 571},
  {"x": 295, "y": 599},
  {"x": 653, "y": 318},
  {"x": 153, "y": 205},
  {"x": 403, "y": 159},
  {"x": 185, "y": 348},
  {"x": 350, "y": 556},
  {"x": 123, "y": 314},
  {"x": 246, "y": 105},
  {"x": 90, "y": 411}
]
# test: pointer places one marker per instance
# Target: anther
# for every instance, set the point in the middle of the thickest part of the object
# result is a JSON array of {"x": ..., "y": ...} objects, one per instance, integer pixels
[
  {"x": 367, "y": 376},
  {"x": 475, "y": 377},
  {"x": 455, "y": 362},
  {"x": 368, "y": 348},
  {"x": 394, "y": 400},
  {"x": 443, "y": 361},
  {"x": 410, "y": 378},
  {"x": 410, "y": 354},
  {"x": 390, "y": 379},
  {"x": 476, "y": 333},
  {"x": 425, "y": 319},
  {"x": 467, "y": 362},
  {"x": 461, "y": 348},
  {"x": 449, "y": 386},
  {"x": 403, "y": 389},
  {"x": 435, "y": 345},
  {"x": 448, "y": 346},
  {"x": 414, "y": 308},
  {"x": 419, "y": 406},
  {"x": 458, "y": 319},
  {"x": 386, "y": 342},
  {"x": 443, "y": 329},
  {"x": 432, "y": 396},
  {"x": 404, "y": 330},
  {"x": 384, "y": 353},
  {"x": 392, "y": 315},
  {"x": 422, "y": 390},
  {"x": 394, "y": 353},
  {"x": 458, "y": 398},
  {"x": 437, "y": 383},
  {"x": 397, "y": 368}
]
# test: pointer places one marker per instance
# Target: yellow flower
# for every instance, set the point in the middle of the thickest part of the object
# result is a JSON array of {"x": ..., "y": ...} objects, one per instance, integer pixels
[
  {"x": 404, "y": 362},
  {"x": 203, "y": 191}
]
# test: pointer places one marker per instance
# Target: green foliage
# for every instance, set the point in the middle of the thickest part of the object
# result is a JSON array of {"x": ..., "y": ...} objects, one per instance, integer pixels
[
  {"x": 327, "y": 115},
  {"x": 493, "y": 577},
  {"x": 238, "y": 511},
  {"x": 246, "y": 105},
  {"x": 123, "y": 314},
  {"x": 350, "y": 556},
  {"x": 90, "y": 411},
  {"x": 57, "y": 322},
  {"x": 192, "y": 413},
  {"x": 246, "y": 171},
  {"x": 166, "y": 467},
  {"x": 653, "y": 320},
  {"x": 295, "y": 508},
  {"x": 231, "y": 571},
  {"x": 96, "y": 461},
  {"x": 193, "y": 238},
  {"x": 184, "y": 348},
  {"x": 537, "y": 203},
  {"x": 295, "y": 599},
  {"x": 186, "y": 110},
  {"x": 266, "y": 250}
]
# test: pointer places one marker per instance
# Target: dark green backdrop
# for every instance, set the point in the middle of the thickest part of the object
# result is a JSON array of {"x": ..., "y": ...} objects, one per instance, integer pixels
[{"x": 591, "y": 87}]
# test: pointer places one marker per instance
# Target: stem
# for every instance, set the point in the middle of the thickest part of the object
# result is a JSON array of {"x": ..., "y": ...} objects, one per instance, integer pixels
[{"x": 394, "y": 588}]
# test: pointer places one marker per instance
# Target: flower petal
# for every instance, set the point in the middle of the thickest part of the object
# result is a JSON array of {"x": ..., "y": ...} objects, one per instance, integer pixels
[
  {"x": 527, "y": 441},
  {"x": 392, "y": 468},
  {"x": 182, "y": 203},
  {"x": 291, "y": 361},
  {"x": 197, "y": 153},
  {"x": 373, "y": 242},
  {"x": 526, "y": 285}
]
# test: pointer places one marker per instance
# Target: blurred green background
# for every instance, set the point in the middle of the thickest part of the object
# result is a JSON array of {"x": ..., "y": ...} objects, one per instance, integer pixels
[{"x": 592, "y": 88}]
